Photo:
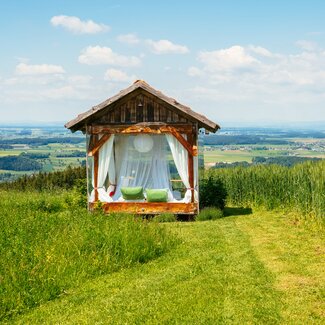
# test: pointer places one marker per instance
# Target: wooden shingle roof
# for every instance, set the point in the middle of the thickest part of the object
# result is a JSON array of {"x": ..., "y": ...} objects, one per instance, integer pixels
[{"x": 79, "y": 122}]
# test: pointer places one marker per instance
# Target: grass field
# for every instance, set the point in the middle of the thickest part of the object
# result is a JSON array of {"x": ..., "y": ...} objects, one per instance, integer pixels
[
  {"x": 242, "y": 269},
  {"x": 53, "y": 163},
  {"x": 48, "y": 244},
  {"x": 216, "y": 154}
]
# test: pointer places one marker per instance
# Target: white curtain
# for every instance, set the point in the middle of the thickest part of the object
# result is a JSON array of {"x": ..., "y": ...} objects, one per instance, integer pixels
[
  {"x": 180, "y": 156},
  {"x": 112, "y": 175},
  {"x": 125, "y": 166},
  {"x": 147, "y": 169},
  {"x": 105, "y": 156}
]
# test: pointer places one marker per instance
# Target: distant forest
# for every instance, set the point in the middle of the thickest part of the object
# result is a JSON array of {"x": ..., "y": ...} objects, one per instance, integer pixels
[
  {"x": 240, "y": 139},
  {"x": 7, "y": 143},
  {"x": 281, "y": 160},
  {"x": 66, "y": 179},
  {"x": 260, "y": 136},
  {"x": 23, "y": 162}
]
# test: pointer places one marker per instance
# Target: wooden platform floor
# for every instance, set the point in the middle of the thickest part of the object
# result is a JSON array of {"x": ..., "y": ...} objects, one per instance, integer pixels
[{"x": 149, "y": 207}]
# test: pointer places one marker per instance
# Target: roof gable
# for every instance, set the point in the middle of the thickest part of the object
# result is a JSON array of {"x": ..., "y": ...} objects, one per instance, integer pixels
[{"x": 137, "y": 88}]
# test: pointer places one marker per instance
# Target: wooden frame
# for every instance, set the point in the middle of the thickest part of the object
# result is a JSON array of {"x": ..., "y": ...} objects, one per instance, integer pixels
[
  {"x": 145, "y": 128},
  {"x": 148, "y": 207},
  {"x": 98, "y": 144},
  {"x": 140, "y": 128}
]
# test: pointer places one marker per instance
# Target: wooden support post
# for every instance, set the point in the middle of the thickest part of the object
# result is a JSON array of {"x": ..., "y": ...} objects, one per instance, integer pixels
[{"x": 191, "y": 167}]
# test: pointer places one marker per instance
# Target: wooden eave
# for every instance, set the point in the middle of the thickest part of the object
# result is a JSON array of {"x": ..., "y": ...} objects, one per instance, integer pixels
[{"x": 81, "y": 120}]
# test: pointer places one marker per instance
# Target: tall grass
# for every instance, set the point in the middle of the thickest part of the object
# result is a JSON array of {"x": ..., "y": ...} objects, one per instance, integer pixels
[
  {"x": 48, "y": 245},
  {"x": 300, "y": 188}
]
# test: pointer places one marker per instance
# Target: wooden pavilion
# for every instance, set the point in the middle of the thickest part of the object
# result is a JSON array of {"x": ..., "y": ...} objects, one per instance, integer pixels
[{"x": 126, "y": 135}]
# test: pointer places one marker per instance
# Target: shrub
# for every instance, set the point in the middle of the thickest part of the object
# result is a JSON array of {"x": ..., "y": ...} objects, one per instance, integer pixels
[
  {"x": 212, "y": 193},
  {"x": 165, "y": 217},
  {"x": 209, "y": 214}
]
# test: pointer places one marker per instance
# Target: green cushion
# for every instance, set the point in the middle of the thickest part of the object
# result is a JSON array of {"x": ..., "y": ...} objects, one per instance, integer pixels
[
  {"x": 157, "y": 195},
  {"x": 132, "y": 193}
]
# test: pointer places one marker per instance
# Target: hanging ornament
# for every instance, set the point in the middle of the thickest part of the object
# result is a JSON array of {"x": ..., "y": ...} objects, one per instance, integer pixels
[{"x": 143, "y": 142}]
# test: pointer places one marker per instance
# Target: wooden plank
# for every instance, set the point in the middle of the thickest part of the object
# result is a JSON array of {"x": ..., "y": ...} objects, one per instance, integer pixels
[
  {"x": 150, "y": 112},
  {"x": 145, "y": 110},
  {"x": 115, "y": 106},
  {"x": 123, "y": 114},
  {"x": 118, "y": 128},
  {"x": 133, "y": 111},
  {"x": 112, "y": 118},
  {"x": 92, "y": 141},
  {"x": 117, "y": 115},
  {"x": 140, "y": 113},
  {"x": 169, "y": 115},
  {"x": 163, "y": 116},
  {"x": 156, "y": 112},
  {"x": 175, "y": 117},
  {"x": 127, "y": 114},
  {"x": 99, "y": 144},
  {"x": 145, "y": 128},
  {"x": 149, "y": 207}
]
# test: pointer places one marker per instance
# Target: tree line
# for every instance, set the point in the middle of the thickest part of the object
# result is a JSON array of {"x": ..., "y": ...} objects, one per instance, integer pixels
[
  {"x": 42, "y": 141},
  {"x": 287, "y": 161},
  {"x": 65, "y": 179},
  {"x": 19, "y": 163},
  {"x": 240, "y": 139}
]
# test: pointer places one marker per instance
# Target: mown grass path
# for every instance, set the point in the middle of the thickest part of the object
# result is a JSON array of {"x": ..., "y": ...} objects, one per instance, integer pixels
[{"x": 253, "y": 269}]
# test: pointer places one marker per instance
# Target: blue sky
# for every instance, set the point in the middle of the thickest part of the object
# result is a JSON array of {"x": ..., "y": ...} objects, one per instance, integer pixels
[{"x": 234, "y": 61}]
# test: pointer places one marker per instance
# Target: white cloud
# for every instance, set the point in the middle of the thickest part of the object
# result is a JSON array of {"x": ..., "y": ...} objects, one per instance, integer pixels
[
  {"x": 75, "y": 25},
  {"x": 256, "y": 76},
  {"x": 93, "y": 55},
  {"x": 59, "y": 93},
  {"x": 38, "y": 69},
  {"x": 235, "y": 57},
  {"x": 27, "y": 80},
  {"x": 260, "y": 51},
  {"x": 194, "y": 72},
  {"x": 118, "y": 76},
  {"x": 166, "y": 47},
  {"x": 80, "y": 79},
  {"x": 130, "y": 39},
  {"x": 52, "y": 87},
  {"x": 306, "y": 45}
]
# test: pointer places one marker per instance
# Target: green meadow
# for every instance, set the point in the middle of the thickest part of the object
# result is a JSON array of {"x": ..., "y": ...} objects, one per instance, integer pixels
[
  {"x": 261, "y": 260},
  {"x": 49, "y": 244},
  {"x": 215, "y": 154},
  {"x": 58, "y": 159},
  {"x": 261, "y": 267}
]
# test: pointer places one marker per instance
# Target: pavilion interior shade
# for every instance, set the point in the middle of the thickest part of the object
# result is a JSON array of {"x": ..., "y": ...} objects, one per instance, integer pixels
[{"x": 122, "y": 165}]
